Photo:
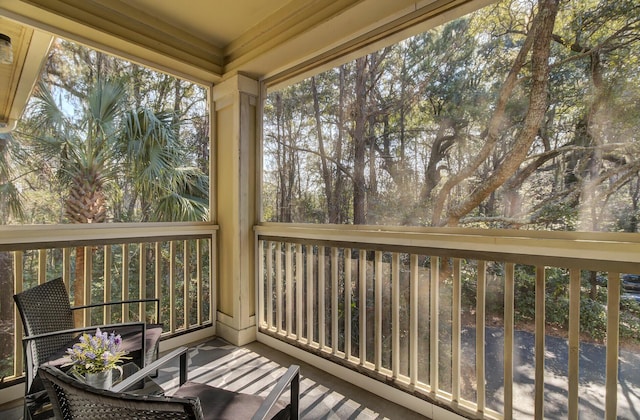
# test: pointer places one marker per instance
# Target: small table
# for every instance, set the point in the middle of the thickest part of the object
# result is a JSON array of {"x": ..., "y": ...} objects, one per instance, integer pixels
[{"x": 146, "y": 386}]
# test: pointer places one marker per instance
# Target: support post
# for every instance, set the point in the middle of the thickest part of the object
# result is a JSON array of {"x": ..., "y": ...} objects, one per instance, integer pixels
[{"x": 235, "y": 113}]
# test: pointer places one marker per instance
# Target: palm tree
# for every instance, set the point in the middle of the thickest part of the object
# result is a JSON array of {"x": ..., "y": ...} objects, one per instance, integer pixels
[{"x": 103, "y": 148}]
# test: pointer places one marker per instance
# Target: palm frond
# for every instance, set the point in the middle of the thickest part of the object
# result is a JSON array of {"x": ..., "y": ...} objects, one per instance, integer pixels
[
  {"x": 47, "y": 116},
  {"x": 11, "y": 200},
  {"x": 181, "y": 208},
  {"x": 105, "y": 104}
]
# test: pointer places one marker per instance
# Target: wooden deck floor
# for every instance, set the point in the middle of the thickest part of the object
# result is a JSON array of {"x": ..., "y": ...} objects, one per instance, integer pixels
[{"x": 255, "y": 368}]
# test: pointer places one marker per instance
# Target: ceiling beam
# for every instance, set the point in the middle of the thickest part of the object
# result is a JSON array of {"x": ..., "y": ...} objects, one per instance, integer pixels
[{"x": 128, "y": 35}]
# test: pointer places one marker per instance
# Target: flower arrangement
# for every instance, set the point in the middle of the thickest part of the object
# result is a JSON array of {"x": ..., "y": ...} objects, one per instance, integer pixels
[{"x": 95, "y": 354}]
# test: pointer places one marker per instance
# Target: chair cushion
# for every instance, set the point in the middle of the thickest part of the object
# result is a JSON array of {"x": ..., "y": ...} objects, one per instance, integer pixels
[
  {"x": 228, "y": 405},
  {"x": 131, "y": 340}
]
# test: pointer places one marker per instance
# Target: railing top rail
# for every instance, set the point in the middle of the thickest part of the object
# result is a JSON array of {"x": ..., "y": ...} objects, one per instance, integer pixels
[
  {"x": 595, "y": 251},
  {"x": 13, "y": 238}
]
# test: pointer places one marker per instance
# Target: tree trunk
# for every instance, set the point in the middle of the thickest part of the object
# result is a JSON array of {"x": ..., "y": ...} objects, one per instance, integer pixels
[
  {"x": 359, "y": 141},
  {"x": 326, "y": 173},
  {"x": 495, "y": 123},
  {"x": 538, "y": 102},
  {"x": 439, "y": 150},
  {"x": 339, "y": 176}
]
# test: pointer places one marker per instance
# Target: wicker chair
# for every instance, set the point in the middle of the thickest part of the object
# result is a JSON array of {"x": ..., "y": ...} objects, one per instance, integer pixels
[
  {"x": 49, "y": 330},
  {"x": 72, "y": 399}
]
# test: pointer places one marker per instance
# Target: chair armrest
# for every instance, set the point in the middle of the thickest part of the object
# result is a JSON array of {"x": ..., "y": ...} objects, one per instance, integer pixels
[
  {"x": 149, "y": 369},
  {"x": 291, "y": 376},
  {"x": 122, "y": 302},
  {"x": 27, "y": 338}
]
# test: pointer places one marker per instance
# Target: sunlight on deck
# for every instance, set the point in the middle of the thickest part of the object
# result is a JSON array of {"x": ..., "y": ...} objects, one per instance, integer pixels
[{"x": 255, "y": 368}]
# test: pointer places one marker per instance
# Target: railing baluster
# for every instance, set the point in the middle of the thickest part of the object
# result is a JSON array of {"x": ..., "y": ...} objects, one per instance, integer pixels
[
  {"x": 613, "y": 337},
  {"x": 158, "y": 275},
  {"x": 125, "y": 282},
  {"x": 142, "y": 281},
  {"x": 481, "y": 298},
  {"x": 299, "y": 287},
  {"x": 199, "y": 280},
  {"x": 362, "y": 309},
  {"x": 321, "y": 298},
  {"x": 18, "y": 332},
  {"x": 309, "y": 249},
  {"x": 435, "y": 323},
  {"x": 278, "y": 279},
  {"x": 347, "y": 303},
  {"x": 378, "y": 311},
  {"x": 88, "y": 282},
  {"x": 269, "y": 302},
  {"x": 186, "y": 283},
  {"x": 261, "y": 288},
  {"x": 42, "y": 266},
  {"x": 172, "y": 286},
  {"x": 66, "y": 266},
  {"x": 289, "y": 289},
  {"x": 455, "y": 332},
  {"x": 413, "y": 322},
  {"x": 574, "y": 341},
  {"x": 106, "y": 274},
  {"x": 508, "y": 339},
  {"x": 395, "y": 315},
  {"x": 539, "y": 344},
  {"x": 334, "y": 300}
]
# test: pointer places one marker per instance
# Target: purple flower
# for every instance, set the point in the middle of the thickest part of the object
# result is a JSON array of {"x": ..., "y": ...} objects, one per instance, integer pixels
[{"x": 96, "y": 353}]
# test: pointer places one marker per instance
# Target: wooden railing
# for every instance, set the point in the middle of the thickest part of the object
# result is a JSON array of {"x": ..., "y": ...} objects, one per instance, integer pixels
[
  {"x": 433, "y": 312},
  {"x": 173, "y": 262}
]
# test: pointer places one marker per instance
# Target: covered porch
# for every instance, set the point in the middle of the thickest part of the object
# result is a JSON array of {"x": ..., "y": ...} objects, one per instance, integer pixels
[
  {"x": 378, "y": 307},
  {"x": 309, "y": 285}
]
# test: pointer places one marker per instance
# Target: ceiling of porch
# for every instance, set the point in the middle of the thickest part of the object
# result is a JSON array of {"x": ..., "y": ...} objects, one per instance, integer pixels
[{"x": 207, "y": 40}]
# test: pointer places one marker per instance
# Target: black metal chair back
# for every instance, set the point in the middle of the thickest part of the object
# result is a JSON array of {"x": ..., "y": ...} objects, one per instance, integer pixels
[
  {"x": 44, "y": 309},
  {"x": 76, "y": 400},
  {"x": 47, "y": 317}
]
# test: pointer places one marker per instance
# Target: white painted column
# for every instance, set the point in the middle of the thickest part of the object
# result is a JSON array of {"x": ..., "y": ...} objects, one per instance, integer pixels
[{"x": 235, "y": 103}]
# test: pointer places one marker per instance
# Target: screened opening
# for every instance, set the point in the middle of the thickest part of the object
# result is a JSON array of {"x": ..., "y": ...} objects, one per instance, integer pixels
[
  {"x": 466, "y": 125},
  {"x": 106, "y": 140}
]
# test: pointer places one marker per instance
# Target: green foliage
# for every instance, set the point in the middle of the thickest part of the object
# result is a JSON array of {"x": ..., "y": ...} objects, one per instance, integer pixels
[
  {"x": 525, "y": 296},
  {"x": 593, "y": 312},
  {"x": 138, "y": 138},
  {"x": 630, "y": 319},
  {"x": 593, "y": 318}
]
